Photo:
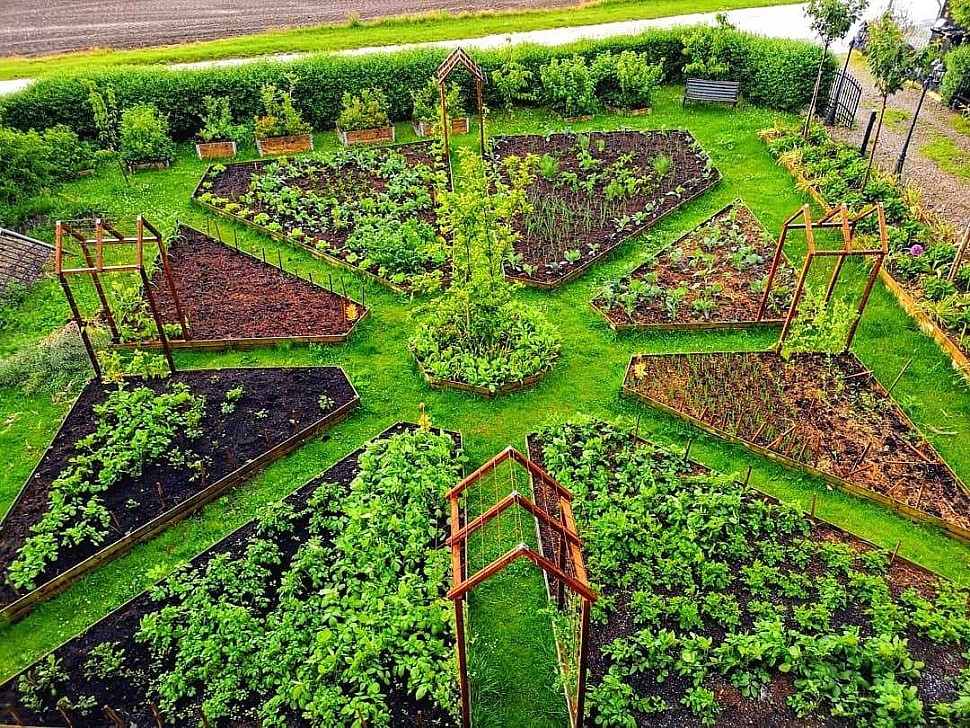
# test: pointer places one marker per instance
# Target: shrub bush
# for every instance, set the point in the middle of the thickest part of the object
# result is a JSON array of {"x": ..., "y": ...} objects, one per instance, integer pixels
[
  {"x": 217, "y": 123},
  {"x": 31, "y": 162},
  {"x": 366, "y": 110},
  {"x": 568, "y": 86},
  {"x": 956, "y": 80},
  {"x": 323, "y": 80},
  {"x": 144, "y": 136},
  {"x": 280, "y": 117},
  {"x": 627, "y": 80}
]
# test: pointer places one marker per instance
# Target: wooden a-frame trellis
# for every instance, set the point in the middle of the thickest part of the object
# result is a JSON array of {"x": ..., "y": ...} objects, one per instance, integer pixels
[
  {"x": 839, "y": 218},
  {"x": 95, "y": 267},
  {"x": 568, "y": 571},
  {"x": 459, "y": 57}
]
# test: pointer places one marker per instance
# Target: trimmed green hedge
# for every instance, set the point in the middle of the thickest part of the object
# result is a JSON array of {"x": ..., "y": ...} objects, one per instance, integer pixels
[
  {"x": 776, "y": 73},
  {"x": 956, "y": 80}
]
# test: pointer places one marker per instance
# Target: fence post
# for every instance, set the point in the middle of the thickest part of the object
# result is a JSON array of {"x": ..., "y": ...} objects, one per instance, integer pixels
[{"x": 865, "y": 139}]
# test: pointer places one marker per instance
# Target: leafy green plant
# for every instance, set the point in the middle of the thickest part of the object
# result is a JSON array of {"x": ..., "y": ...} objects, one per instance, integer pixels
[
  {"x": 627, "y": 80},
  {"x": 134, "y": 428},
  {"x": 820, "y": 326},
  {"x": 144, "y": 136},
  {"x": 707, "y": 51},
  {"x": 217, "y": 125},
  {"x": 280, "y": 117},
  {"x": 427, "y": 103},
  {"x": 513, "y": 81},
  {"x": 366, "y": 110},
  {"x": 569, "y": 86}
]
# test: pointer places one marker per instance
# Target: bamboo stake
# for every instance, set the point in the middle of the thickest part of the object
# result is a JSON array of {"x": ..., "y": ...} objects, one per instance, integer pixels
[
  {"x": 961, "y": 252},
  {"x": 900, "y": 375},
  {"x": 895, "y": 552},
  {"x": 115, "y": 718}
]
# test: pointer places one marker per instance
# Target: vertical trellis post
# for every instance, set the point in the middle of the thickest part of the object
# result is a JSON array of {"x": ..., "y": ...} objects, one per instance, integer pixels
[{"x": 459, "y": 57}]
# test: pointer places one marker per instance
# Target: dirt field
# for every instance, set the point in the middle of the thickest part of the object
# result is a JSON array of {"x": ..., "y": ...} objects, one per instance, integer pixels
[{"x": 38, "y": 27}]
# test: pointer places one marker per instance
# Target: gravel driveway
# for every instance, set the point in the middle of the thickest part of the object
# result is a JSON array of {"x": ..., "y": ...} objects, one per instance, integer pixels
[{"x": 945, "y": 193}]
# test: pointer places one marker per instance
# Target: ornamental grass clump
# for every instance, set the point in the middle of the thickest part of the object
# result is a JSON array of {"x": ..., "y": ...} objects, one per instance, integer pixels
[{"x": 477, "y": 333}]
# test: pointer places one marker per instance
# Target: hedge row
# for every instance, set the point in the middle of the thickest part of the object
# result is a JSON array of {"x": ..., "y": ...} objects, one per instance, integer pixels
[
  {"x": 775, "y": 73},
  {"x": 956, "y": 80}
]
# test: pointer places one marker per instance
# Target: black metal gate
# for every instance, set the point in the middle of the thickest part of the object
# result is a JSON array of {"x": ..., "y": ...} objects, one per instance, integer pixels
[{"x": 844, "y": 96}]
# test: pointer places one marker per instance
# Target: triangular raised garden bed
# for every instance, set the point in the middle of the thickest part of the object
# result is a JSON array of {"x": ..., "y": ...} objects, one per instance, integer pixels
[
  {"x": 233, "y": 299},
  {"x": 316, "y": 202},
  {"x": 593, "y": 191},
  {"x": 825, "y": 415},
  {"x": 250, "y": 418},
  {"x": 711, "y": 277},
  {"x": 129, "y": 691}
]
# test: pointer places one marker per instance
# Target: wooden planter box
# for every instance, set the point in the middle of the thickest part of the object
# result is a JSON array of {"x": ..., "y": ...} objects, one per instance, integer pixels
[
  {"x": 285, "y": 144},
  {"x": 377, "y": 135},
  {"x": 215, "y": 150},
  {"x": 459, "y": 125}
]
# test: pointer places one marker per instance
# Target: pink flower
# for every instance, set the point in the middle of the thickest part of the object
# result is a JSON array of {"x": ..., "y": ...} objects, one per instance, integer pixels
[{"x": 916, "y": 249}]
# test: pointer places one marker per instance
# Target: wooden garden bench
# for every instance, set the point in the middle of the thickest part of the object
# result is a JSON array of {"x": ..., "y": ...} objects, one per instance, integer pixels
[{"x": 718, "y": 92}]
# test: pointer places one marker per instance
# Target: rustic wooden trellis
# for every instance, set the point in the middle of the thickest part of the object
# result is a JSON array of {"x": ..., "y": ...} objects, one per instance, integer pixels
[
  {"x": 568, "y": 570},
  {"x": 459, "y": 57},
  {"x": 836, "y": 218},
  {"x": 92, "y": 250}
]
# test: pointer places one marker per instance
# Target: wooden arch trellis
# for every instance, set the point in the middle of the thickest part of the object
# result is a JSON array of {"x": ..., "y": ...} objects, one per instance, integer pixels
[
  {"x": 838, "y": 218},
  {"x": 92, "y": 250},
  {"x": 567, "y": 571},
  {"x": 456, "y": 58}
]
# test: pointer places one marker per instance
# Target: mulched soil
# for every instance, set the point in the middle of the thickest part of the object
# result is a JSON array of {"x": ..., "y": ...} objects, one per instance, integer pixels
[
  {"x": 226, "y": 294},
  {"x": 686, "y": 172},
  {"x": 827, "y": 412},
  {"x": 936, "y": 683},
  {"x": 736, "y": 302},
  {"x": 57, "y": 26},
  {"x": 258, "y": 423},
  {"x": 130, "y": 697},
  {"x": 350, "y": 182}
]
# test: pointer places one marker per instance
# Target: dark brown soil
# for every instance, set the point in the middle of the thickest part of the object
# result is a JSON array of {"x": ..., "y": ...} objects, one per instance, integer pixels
[
  {"x": 687, "y": 177},
  {"x": 130, "y": 697},
  {"x": 226, "y": 294},
  {"x": 827, "y": 412},
  {"x": 57, "y": 26},
  {"x": 350, "y": 183},
  {"x": 936, "y": 683},
  {"x": 683, "y": 265},
  {"x": 275, "y": 405}
]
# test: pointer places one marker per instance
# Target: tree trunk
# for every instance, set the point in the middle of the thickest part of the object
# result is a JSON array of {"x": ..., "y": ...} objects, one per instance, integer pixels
[
  {"x": 818, "y": 84},
  {"x": 875, "y": 142}
]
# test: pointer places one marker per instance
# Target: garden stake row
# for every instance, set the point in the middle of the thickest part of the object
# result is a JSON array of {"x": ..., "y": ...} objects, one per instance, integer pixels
[
  {"x": 95, "y": 267},
  {"x": 566, "y": 569}
]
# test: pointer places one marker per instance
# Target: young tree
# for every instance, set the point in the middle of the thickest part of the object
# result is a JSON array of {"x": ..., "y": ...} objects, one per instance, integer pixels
[
  {"x": 891, "y": 62},
  {"x": 831, "y": 20},
  {"x": 107, "y": 120}
]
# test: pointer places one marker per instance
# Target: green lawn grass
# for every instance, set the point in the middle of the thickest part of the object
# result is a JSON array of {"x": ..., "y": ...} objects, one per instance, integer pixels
[
  {"x": 511, "y": 653},
  {"x": 391, "y": 31},
  {"x": 945, "y": 153}
]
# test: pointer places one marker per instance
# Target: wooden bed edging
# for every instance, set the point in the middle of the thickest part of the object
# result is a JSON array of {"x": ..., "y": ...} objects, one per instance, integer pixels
[
  {"x": 844, "y": 485},
  {"x": 18, "y": 609},
  {"x": 927, "y": 325},
  {"x": 439, "y": 383},
  {"x": 454, "y": 434},
  {"x": 688, "y": 325}
]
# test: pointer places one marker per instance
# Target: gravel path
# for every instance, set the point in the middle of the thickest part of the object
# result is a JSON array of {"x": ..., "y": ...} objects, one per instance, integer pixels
[{"x": 946, "y": 194}]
